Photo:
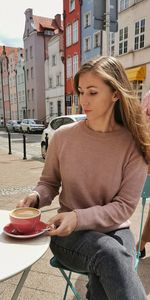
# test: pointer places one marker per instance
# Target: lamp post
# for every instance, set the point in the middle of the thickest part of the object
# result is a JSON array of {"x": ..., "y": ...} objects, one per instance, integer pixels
[
  {"x": 7, "y": 64},
  {"x": 25, "y": 87},
  {"x": 17, "y": 94},
  {"x": 1, "y": 70}
]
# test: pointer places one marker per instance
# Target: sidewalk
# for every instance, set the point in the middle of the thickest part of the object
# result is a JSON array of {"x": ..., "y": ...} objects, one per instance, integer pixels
[{"x": 17, "y": 178}]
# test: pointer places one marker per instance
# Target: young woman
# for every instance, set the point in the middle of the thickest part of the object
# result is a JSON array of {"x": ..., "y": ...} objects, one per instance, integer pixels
[{"x": 100, "y": 164}]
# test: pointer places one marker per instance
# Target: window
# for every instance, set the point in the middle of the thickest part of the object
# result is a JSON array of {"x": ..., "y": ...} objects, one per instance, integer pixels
[
  {"x": 71, "y": 5},
  {"x": 68, "y": 35},
  {"x": 57, "y": 80},
  {"x": 123, "y": 40},
  {"x": 59, "y": 107},
  {"x": 75, "y": 64},
  {"x": 53, "y": 60},
  {"x": 139, "y": 34},
  {"x": 31, "y": 54},
  {"x": 137, "y": 86},
  {"x": 27, "y": 74},
  {"x": 96, "y": 39},
  {"x": 124, "y": 4},
  {"x": 75, "y": 32},
  {"x": 112, "y": 43},
  {"x": 69, "y": 100},
  {"x": 69, "y": 67},
  {"x": 26, "y": 53},
  {"x": 50, "y": 83},
  {"x": 87, "y": 43},
  {"x": 32, "y": 94},
  {"x": 87, "y": 19},
  {"x": 51, "y": 109},
  {"x": 31, "y": 72},
  {"x": 28, "y": 95}
]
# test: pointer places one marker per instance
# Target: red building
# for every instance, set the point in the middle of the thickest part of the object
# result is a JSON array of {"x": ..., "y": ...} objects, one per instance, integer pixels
[{"x": 71, "y": 51}]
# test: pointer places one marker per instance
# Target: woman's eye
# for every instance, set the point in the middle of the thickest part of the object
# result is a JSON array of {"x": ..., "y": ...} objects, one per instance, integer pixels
[
  {"x": 80, "y": 93},
  {"x": 93, "y": 93}
]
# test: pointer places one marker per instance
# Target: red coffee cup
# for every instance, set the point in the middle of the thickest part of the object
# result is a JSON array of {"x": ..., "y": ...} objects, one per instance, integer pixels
[{"x": 25, "y": 219}]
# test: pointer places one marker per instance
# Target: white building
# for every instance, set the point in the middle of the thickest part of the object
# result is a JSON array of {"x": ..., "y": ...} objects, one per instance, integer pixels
[
  {"x": 131, "y": 44},
  {"x": 54, "y": 78}
]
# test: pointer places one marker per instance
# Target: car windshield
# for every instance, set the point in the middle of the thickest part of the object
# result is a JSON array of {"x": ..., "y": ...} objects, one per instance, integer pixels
[
  {"x": 78, "y": 118},
  {"x": 37, "y": 122}
]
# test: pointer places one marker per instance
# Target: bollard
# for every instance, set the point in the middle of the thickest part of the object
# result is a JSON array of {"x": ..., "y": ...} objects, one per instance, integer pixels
[
  {"x": 46, "y": 141},
  {"x": 24, "y": 146},
  {"x": 9, "y": 142}
]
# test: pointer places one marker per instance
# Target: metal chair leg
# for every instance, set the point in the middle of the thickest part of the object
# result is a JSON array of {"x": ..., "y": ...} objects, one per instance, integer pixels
[{"x": 67, "y": 277}]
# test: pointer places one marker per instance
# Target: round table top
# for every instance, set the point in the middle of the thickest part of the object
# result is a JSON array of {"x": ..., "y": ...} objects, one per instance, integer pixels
[{"x": 16, "y": 255}]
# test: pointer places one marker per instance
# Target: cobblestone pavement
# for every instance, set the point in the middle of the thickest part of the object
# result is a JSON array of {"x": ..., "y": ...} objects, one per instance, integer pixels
[{"x": 17, "y": 178}]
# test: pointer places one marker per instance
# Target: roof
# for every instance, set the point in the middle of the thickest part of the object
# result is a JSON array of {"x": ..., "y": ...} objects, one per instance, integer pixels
[
  {"x": 41, "y": 23},
  {"x": 8, "y": 50}
]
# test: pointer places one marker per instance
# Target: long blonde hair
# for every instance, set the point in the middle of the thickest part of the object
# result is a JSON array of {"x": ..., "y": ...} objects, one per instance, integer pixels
[{"x": 127, "y": 110}]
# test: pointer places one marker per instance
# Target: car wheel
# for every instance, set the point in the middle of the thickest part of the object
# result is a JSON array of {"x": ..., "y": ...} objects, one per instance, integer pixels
[
  {"x": 43, "y": 150},
  {"x": 28, "y": 130}
]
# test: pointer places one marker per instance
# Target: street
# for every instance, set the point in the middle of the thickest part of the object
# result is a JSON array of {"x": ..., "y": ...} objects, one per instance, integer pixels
[{"x": 17, "y": 146}]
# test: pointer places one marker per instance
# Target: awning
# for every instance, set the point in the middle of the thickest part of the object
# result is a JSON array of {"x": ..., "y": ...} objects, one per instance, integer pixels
[{"x": 138, "y": 73}]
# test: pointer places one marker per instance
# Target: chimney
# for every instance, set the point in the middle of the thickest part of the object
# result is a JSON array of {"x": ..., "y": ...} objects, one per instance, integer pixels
[
  {"x": 29, "y": 13},
  {"x": 58, "y": 20},
  {"x": 4, "y": 51}
]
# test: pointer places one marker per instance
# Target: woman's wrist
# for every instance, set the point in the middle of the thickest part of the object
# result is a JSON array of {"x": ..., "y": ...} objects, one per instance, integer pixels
[{"x": 37, "y": 198}]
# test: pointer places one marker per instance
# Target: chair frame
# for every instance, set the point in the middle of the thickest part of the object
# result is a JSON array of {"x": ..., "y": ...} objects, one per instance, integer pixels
[
  {"x": 145, "y": 195},
  {"x": 56, "y": 264}
]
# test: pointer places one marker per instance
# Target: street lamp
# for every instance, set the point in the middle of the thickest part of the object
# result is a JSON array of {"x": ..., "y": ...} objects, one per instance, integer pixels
[
  {"x": 7, "y": 64},
  {"x": 1, "y": 70},
  {"x": 17, "y": 94},
  {"x": 25, "y": 87}
]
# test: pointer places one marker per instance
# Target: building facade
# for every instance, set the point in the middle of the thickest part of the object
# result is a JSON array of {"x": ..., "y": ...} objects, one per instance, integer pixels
[
  {"x": 131, "y": 44},
  {"x": 5, "y": 71},
  {"x": 54, "y": 78},
  {"x": 72, "y": 44},
  {"x": 91, "y": 39},
  {"x": 37, "y": 33},
  {"x": 20, "y": 86}
]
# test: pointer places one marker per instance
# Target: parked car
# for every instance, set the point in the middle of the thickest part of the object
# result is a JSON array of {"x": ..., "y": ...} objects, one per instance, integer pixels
[
  {"x": 16, "y": 126},
  {"x": 54, "y": 124},
  {"x": 31, "y": 125},
  {"x": 10, "y": 125}
]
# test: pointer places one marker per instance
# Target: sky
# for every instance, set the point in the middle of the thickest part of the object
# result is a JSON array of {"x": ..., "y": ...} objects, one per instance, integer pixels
[{"x": 12, "y": 17}]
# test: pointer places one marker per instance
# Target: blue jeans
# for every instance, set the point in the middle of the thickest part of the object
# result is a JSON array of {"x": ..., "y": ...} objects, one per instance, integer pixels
[{"x": 108, "y": 259}]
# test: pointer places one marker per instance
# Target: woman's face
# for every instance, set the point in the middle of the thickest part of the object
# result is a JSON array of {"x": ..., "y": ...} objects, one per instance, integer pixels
[{"x": 96, "y": 98}]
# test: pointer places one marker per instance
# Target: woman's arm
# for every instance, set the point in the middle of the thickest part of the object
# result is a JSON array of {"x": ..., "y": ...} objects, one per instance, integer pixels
[{"x": 122, "y": 206}]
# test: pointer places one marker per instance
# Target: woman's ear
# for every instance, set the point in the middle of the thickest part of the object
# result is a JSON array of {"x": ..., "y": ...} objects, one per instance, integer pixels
[{"x": 115, "y": 96}]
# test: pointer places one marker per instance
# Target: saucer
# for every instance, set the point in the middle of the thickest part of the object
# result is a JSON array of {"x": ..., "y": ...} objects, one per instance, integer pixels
[{"x": 12, "y": 232}]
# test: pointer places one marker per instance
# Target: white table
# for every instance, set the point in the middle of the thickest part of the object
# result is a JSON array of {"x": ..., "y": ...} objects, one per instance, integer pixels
[{"x": 17, "y": 255}]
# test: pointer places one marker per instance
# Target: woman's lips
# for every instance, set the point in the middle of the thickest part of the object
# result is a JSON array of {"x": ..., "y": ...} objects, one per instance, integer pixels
[{"x": 87, "y": 110}]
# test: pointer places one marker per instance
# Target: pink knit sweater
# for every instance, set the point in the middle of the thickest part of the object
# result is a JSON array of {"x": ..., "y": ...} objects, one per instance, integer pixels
[{"x": 99, "y": 175}]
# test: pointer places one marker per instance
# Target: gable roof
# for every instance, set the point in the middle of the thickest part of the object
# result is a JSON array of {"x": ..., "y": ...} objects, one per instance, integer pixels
[{"x": 42, "y": 23}]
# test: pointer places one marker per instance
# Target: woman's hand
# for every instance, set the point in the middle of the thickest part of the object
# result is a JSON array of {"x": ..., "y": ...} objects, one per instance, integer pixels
[
  {"x": 63, "y": 223},
  {"x": 30, "y": 200}
]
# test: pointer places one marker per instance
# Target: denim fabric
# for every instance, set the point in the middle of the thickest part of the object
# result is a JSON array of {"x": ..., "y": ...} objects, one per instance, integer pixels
[{"x": 109, "y": 260}]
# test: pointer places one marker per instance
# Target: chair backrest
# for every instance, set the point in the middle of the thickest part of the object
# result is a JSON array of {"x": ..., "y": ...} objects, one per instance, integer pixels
[{"x": 146, "y": 189}]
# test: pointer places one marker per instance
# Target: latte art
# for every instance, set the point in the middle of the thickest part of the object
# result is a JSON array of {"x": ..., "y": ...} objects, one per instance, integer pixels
[{"x": 25, "y": 213}]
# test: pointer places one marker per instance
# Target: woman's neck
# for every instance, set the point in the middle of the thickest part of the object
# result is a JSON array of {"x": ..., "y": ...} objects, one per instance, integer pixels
[{"x": 103, "y": 125}]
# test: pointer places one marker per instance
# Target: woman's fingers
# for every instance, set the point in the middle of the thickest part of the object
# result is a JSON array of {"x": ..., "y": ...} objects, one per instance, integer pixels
[{"x": 64, "y": 224}]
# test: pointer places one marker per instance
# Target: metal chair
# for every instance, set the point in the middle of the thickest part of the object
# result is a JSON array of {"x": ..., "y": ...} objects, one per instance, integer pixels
[
  {"x": 145, "y": 195},
  {"x": 56, "y": 264}
]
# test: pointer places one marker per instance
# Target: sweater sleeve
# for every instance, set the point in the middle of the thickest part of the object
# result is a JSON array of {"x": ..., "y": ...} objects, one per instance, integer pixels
[
  {"x": 122, "y": 206},
  {"x": 50, "y": 180}
]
